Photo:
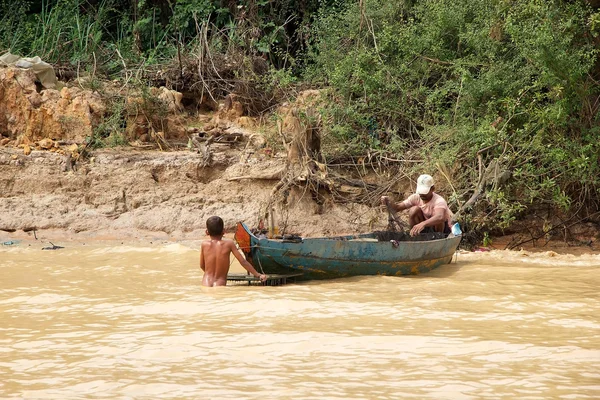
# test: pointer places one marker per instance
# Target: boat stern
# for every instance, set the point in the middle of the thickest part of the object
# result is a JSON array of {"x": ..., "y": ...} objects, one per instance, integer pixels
[{"x": 243, "y": 238}]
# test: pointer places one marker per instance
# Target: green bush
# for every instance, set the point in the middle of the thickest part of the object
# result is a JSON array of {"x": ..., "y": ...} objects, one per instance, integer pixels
[
  {"x": 110, "y": 131},
  {"x": 451, "y": 79}
]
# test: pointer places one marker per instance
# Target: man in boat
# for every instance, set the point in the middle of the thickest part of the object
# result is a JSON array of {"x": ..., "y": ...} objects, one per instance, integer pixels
[
  {"x": 215, "y": 254},
  {"x": 427, "y": 210}
]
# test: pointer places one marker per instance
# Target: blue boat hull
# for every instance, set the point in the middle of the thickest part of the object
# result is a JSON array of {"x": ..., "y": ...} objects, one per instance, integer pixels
[{"x": 336, "y": 257}]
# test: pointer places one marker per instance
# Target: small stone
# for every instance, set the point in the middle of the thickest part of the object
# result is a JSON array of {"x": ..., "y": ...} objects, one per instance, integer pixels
[
  {"x": 46, "y": 144},
  {"x": 64, "y": 93}
]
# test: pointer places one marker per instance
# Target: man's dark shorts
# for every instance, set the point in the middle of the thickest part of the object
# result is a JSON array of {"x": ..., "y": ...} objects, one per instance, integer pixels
[{"x": 429, "y": 229}]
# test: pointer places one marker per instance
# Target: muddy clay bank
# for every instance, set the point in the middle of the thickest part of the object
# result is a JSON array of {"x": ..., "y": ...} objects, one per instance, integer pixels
[
  {"x": 133, "y": 195},
  {"x": 52, "y": 185},
  {"x": 148, "y": 194}
]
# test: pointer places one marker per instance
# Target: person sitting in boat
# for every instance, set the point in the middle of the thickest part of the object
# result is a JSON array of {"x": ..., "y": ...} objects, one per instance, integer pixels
[
  {"x": 427, "y": 210},
  {"x": 215, "y": 254}
]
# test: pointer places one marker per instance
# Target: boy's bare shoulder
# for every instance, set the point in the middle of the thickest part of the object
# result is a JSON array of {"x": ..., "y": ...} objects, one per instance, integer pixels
[
  {"x": 228, "y": 241},
  {"x": 206, "y": 242}
]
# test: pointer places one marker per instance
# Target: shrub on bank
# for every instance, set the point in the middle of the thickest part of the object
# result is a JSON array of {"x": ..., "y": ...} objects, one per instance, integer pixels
[{"x": 495, "y": 96}]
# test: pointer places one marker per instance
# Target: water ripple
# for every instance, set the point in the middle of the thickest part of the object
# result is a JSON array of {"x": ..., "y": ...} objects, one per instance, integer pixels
[{"x": 133, "y": 322}]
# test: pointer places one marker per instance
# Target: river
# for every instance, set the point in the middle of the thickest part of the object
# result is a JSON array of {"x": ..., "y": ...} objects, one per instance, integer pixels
[{"x": 132, "y": 322}]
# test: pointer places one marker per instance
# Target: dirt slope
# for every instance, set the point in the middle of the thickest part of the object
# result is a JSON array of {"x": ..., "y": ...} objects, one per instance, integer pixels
[{"x": 136, "y": 194}]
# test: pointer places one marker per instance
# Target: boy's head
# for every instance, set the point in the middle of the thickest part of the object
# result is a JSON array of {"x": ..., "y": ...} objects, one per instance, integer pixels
[{"x": 214, "y": 226}]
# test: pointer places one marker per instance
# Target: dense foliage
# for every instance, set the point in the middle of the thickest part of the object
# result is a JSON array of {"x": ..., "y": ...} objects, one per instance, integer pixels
[
  {"x": 499, "y": 97},
  {"x": 465, "y": 85},
  {"x": 150, "y": 31}
]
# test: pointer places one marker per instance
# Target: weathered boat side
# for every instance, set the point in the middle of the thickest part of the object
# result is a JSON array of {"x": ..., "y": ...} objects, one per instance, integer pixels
[{"x": 323, "y": 258}]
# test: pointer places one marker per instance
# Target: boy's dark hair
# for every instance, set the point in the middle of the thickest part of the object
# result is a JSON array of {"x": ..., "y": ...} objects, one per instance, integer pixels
[{"x": 214, "y": 226}]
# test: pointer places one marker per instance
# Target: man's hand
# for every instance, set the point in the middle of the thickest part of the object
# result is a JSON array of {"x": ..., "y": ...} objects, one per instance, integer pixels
[
  {"x": 262, "y": 277},
  {"x": 417, "y": 229},
  {"x": 390, "y": 205}
]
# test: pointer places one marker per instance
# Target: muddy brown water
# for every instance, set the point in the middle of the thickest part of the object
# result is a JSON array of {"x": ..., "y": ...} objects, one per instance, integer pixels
[{"x": 132, "y": 322}]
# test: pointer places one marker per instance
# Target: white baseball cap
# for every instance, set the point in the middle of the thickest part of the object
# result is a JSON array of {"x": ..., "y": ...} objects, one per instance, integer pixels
[{"x": 424, "y": 183}]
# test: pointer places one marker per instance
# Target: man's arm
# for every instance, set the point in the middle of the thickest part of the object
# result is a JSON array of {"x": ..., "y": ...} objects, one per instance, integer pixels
[
  {"x": 385, "y": 200},
  {"x": 247, "y": 266},
  {"x": 437, "y": 217},
  {"x": 400, "y": 206}
]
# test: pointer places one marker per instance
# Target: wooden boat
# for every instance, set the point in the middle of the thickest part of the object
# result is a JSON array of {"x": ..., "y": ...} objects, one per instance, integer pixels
[{"x": 377, "y": 253}]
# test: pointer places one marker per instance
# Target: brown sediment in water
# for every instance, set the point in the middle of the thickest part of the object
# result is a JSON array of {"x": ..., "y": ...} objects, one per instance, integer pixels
[
  {"x": 550, "y": 247},
  {"x": 134, "y": 321}
]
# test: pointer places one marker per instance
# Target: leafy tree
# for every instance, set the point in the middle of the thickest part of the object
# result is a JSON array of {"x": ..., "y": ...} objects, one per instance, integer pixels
[{"x": 460, "y": 82}]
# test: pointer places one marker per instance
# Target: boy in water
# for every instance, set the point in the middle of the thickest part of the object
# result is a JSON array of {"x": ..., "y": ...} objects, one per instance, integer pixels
[{"x": 214, "y": 255}]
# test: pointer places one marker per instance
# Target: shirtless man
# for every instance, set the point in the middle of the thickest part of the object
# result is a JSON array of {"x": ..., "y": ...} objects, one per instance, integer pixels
[
  {"x": 426, "y": 209},
  {"x": 214, "y": 255}
]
